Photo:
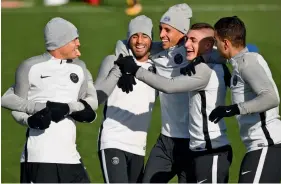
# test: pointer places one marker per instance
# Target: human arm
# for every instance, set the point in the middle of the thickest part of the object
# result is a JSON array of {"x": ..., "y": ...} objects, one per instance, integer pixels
[
  {"x": 254, "y": 74},
  {"x": 107, "y": 78}
]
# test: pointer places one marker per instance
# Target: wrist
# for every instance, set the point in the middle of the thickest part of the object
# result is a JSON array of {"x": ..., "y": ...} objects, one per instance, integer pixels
[{"x": 135, "y": 70}]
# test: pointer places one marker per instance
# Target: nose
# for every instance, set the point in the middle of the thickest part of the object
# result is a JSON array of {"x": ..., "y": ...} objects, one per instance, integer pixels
[
  {"x": 187, "y": 43},
  {"x": 162, "y": 33},
  {"x": 139, "y": 39}
]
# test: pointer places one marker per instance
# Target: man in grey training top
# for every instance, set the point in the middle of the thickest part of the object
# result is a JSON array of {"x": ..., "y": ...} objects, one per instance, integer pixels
[
  {"x": 52, "y": 91},
  {"x": 255, "y": 102}
]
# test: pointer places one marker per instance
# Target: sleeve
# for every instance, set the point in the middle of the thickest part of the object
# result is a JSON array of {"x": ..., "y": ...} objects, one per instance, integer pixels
[
  {"x": 121, "y": 48},
  {"x": 20, "y": 117},
  {"x": 107, "y": 78},
  {"x": 178, "y": 84},
  {"x": 254, "y": 74},
  {"x": 15, "y": 103},
  {"x": 21, "y": 89}
]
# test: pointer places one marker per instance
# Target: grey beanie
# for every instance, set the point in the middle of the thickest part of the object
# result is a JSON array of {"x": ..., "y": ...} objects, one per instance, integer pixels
[
  {"x": 140, "y": 24},
  {"x": 178, "y": 16},
  {"x": 58, "y": 32}
]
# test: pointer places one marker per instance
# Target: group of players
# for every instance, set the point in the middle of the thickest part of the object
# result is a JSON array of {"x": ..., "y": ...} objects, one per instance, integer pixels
[{"x": 186, "y": 70}]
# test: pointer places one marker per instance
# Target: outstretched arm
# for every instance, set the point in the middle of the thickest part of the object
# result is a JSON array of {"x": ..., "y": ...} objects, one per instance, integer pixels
[{"x": 177, "y": 84}]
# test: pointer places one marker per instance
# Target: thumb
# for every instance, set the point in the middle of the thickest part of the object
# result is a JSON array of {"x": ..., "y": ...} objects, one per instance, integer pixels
[{"x": 120, "y": 56}]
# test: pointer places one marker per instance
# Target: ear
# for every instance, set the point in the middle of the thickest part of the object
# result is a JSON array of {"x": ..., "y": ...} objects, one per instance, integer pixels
[{"x": 227, "y": 43}]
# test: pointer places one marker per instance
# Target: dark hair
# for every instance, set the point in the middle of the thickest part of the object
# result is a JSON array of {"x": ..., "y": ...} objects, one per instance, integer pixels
[
  {"x": 233, "y": 29},
  {"x": 198, "y": 26}
]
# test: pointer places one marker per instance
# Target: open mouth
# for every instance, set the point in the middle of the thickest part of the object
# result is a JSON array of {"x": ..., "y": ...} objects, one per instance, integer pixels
[
  {"x": 140, "y": 48},
  {"x": 165, "y": 41},
  {"x": 189, "y": 51}
]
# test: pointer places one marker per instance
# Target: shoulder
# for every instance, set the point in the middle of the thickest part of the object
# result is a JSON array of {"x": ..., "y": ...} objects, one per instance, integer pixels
[
  {"x": 156, "y": 48},
  {"x": 28, "y": 63},
  {"x": 79, "y": 62},
  {"x": 251, "y": 59}
]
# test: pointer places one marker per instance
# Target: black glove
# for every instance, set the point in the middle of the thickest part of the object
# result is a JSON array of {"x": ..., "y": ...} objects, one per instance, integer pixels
[
  {"x": 40, "y": 120},
  {"x": 223, "y": 111},
  {"x": 59, "y": 110},
  {"x": 85, "y": 115},
  {"x": 127, "y": 65},
  {"x": 190, "y": 68},
  {"x": 126, "y": 82}
]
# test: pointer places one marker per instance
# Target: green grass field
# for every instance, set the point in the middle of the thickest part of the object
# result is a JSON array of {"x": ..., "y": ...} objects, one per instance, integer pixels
[{"x": 100, "y": 28}]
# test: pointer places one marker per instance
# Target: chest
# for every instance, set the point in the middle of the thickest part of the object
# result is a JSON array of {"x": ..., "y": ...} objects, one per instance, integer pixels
[{"x": 56, "y": 80}]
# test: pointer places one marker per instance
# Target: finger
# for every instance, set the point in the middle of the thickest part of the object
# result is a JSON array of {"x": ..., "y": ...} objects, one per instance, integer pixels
[
  {"x": 133, "y": 80},
  {"x": 188, "y": 72},
  {"x": 218, "y": 119},
  {"x": 130, "y": 84},
  {"x": 212, "y": 117},
  {"x": 127, "y": 88},
  {"x": 120, "y": 56},
  {"x": 182, "y": 71}
]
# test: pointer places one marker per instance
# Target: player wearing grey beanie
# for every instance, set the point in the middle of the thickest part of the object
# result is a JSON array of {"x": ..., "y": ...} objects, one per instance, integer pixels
[
  {"x": 122, "y": 141},
  {"x": 139, "y": 37},
  {"x": 171, "y": 155},
  {"x": 174, "y": 24},
  {"x": 62, "y": 93},
  {"x": 61, "y": 38},
  {"x": 178, "y": 16},
  {"x": 140, "y": 24}
]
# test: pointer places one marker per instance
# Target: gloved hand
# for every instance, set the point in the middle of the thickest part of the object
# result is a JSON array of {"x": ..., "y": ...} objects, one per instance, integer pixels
[
  {"x": 127, "y": 64},
  {"x": 85, "y": 115},
  {"x": 59, "y": 110},
  {"x": 190, "y": 68},
  {"x": 126, "y": 82},
  {"x": 223, "y": 111},
  {"x": 41, "y": 120}
]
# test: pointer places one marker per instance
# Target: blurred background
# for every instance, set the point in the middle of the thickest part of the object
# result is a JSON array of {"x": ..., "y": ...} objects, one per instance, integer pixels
[{"x": 101, "y": 24}]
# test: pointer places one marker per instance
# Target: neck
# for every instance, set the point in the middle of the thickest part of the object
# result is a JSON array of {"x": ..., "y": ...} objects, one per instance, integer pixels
[
  {"x": 143, "y": 59},
  {"x": 235, "y": 51},
  {"x": 56, "y": 54}
]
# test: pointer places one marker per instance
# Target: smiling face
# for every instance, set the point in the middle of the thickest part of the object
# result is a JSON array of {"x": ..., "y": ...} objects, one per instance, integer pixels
[
  {"x": 140, "y": 45},
  {"x": 199, "y": 40},
  {"x": 70, "y": 50},
  {"x": 169, "y": 36}
]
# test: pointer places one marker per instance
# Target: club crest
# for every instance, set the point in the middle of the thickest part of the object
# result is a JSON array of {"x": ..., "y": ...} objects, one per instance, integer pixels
[
  {"x": 178, "y": 59},
  {"x": 74, "y": 77}
]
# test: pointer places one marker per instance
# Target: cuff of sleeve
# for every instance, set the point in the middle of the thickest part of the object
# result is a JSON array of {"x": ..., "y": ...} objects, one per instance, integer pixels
[
  {"x": 75, "y": 106},
  {"x": 38, "y": 107},
  {"x": 116, "y": 71},
  {"x": 139, "y": 73},
  {"x": 242, "y": 109}
]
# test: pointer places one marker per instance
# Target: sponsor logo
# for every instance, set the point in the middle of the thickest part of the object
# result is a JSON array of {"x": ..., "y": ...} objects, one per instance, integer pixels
[{"x": 43, "y": 77}]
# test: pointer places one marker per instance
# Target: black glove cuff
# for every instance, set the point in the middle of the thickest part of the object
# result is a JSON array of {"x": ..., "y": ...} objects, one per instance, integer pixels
[{"x": 235, "y": 109}]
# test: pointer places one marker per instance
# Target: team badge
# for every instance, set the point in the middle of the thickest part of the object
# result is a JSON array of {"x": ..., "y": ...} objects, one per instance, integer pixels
[
  {"x": 115, "y": 160},
  {"x": 74, "y": 77},
  {"x": 178, "y": 59},
  {"x": 152, "y": 69},
  {"x": 235, "y": 80},
  {"x": 167, "y": 19}
]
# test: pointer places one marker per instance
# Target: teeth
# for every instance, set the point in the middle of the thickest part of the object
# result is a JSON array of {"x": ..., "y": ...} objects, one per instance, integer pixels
[
  {"x": 140, "y": 47},
  {"x": 164, "y": 40}
]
